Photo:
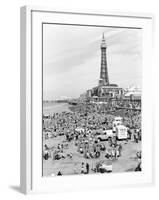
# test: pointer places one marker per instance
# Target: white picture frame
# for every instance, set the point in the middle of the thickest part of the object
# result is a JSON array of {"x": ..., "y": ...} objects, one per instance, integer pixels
[{"x": 31, "y": 91}]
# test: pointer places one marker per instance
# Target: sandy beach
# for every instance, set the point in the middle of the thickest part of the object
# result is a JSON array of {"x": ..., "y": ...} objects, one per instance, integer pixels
[
  {"x": 50, "y": 108},
  {"x": 56, "y": 129}
]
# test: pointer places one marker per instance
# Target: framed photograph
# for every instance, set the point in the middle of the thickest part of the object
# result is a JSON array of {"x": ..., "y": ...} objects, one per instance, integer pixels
[{"x": 86, "y": 100}]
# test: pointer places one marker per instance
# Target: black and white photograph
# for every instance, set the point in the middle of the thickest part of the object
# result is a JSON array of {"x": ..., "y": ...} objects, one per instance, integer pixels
[{"x": 91, "y": 99}]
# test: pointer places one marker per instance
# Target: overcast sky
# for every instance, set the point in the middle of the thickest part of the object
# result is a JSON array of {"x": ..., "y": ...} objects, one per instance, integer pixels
[{"x": 72, "y": 57}]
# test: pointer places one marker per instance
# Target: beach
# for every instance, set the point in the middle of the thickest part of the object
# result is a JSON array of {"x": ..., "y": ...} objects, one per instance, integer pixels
[
  {"x": 63, "y": 140},
  {"x": 50, "y": 108}
]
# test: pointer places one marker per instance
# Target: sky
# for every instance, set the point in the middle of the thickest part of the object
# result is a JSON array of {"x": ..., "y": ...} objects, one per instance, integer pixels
[{"x": 72, "y": 58}]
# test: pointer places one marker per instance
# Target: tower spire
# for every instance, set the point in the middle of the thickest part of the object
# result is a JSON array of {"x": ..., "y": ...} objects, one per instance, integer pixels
[{"x": 104, "y": 79}]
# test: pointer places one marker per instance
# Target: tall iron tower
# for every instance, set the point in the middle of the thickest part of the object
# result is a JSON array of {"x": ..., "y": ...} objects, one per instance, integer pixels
[{"x": 104, "y": 79}]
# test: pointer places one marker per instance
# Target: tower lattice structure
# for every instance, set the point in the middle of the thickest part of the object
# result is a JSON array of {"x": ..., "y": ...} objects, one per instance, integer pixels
[{"x": 104, "y": 78}]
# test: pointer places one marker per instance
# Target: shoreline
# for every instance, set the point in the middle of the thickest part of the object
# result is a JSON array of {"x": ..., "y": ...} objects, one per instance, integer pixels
[{"x": 50, "y": 108}]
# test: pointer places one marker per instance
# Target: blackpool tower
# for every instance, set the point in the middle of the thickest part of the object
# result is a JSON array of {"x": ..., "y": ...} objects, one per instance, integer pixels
[{"x": 104, "y": 79}]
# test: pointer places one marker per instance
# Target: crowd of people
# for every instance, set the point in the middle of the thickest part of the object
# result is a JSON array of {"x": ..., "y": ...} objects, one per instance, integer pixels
[{"x": 91, "y": 118}]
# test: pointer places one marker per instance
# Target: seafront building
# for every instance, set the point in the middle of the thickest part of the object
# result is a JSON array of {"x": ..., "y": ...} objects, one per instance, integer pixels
[{"x": 132, "y": 93}]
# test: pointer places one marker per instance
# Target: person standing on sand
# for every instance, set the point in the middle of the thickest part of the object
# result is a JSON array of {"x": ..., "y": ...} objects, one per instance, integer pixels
[
  {"x": 82, "y": 168},
  {"x": 120, "y": 148},
  {"x": 87, "y": 168}
]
